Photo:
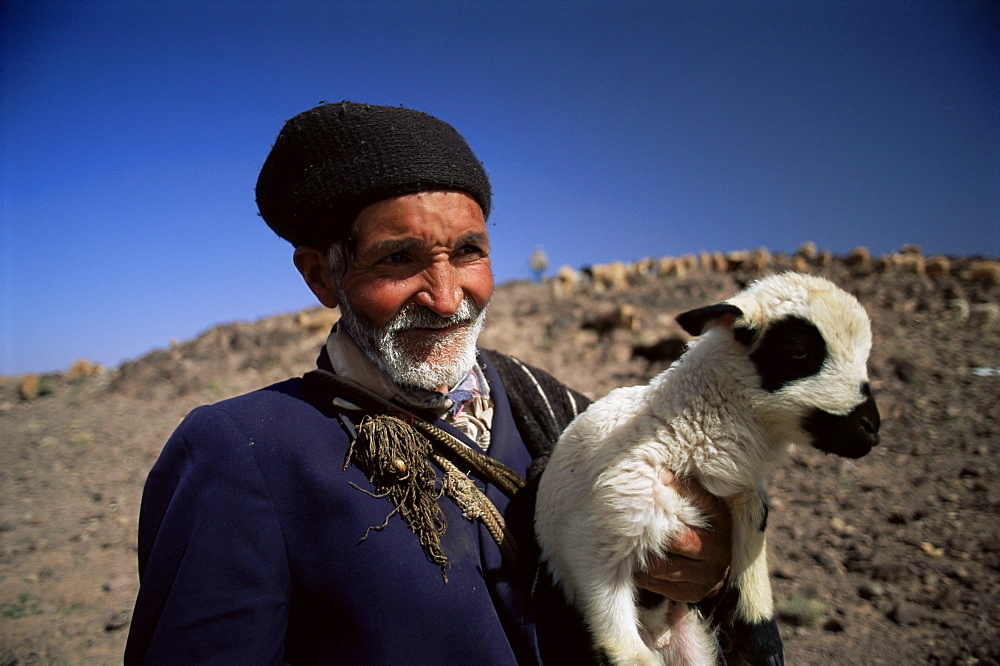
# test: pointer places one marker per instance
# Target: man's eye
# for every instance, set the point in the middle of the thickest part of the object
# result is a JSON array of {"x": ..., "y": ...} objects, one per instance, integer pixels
[
  {"x": 395, "y": 258},
  {"x": 472, "y": 250}
]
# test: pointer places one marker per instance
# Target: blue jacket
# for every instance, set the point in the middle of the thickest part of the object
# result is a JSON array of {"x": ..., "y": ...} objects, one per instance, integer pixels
[{"x": 251, "y": 551}]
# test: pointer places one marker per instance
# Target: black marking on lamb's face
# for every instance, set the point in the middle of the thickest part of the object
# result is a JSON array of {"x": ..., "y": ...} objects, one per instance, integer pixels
[
  {"x": 744, "y": 335},
  {"x": 790, "y": 349},
  {"x": 851, "y": 435}
]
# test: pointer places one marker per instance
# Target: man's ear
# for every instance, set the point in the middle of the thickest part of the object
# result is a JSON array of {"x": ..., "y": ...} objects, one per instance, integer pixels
[
  {"x": 314, "y": 268},
  {"x": 694, "y": 322}
]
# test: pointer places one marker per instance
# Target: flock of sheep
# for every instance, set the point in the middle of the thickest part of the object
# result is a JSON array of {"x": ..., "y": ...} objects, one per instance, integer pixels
[{"x": 909, "y": 259}]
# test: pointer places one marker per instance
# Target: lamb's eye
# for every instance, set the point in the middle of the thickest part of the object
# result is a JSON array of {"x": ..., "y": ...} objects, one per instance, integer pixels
[
  {"x": 790, "y": 349},
  {"x": 798, "y": 351}
]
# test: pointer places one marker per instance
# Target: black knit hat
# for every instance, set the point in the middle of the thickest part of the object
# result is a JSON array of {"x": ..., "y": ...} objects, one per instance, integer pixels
[{"x": 331, "y": 161}]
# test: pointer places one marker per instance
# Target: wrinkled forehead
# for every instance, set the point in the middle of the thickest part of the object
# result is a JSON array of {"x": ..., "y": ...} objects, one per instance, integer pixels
[{"x": 438, "y": 212}]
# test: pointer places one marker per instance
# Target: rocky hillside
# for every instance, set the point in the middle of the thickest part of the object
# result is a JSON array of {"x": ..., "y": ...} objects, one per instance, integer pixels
[{"x": 894, "y": 558}]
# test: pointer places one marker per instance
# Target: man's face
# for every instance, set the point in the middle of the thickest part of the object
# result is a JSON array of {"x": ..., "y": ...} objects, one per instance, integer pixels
[{"x": 415, "y": 291}]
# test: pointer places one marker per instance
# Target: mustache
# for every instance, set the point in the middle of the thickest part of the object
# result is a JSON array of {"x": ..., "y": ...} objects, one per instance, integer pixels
[{"x": 416, "y": 316}]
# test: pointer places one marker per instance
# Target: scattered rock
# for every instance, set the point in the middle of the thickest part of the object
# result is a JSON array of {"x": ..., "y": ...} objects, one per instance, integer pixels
[
  {"x": 871, "y": 590},
  {"x": 784, "y": 572},
  {"x": 118, "y": 621},
  {"x": 890, "y": 571},
  {"x": 834, "y": 625},
  {"x": 827, "y": 560},
  {"x": 990, "y": 543},
  {"x": 905, "y": 371},
  {"x": 906, "y": 613},
  {"x": 931, "y": 549},
  {"x": 899, "y": 517},
  {"x": 947, "y": 599}
]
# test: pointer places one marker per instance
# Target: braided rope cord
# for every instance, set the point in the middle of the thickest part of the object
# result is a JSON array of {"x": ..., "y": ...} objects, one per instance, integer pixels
[
  {"x": 486, "y": 468},
  {"x": 475, "y": 504}
]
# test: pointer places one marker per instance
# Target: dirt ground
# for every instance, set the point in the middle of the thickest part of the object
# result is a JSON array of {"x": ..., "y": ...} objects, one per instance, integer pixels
[{"x": 890, "y": 559}]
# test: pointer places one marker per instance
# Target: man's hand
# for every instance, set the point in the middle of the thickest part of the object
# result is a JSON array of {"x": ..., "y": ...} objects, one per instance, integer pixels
[{"x": 698, "y": 560}]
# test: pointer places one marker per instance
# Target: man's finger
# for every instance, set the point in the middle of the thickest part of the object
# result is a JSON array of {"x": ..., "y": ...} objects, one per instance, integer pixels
[
  {"x": 689, "y": 543},
  {"x": 679, "y": 568},
  {"x": 693, "y": 491},
  {"x": 682, "y": 591}
]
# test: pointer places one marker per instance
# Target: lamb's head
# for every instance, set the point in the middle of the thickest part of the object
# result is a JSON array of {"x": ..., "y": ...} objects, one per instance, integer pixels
[{"x": 808, "y": 341}]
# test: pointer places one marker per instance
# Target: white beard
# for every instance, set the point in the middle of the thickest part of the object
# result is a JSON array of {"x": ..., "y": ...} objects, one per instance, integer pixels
[{"x": 440, "y": 361}]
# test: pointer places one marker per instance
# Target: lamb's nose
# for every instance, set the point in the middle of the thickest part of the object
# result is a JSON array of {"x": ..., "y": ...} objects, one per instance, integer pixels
[{"x": 867, "y": 415}]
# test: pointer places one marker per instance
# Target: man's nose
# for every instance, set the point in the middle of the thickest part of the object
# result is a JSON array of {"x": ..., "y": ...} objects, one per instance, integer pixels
[{"x": 440, "y": 291}]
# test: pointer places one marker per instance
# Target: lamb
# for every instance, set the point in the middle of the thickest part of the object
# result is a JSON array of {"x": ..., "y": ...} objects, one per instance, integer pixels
[{"x": 782, "y": 362}]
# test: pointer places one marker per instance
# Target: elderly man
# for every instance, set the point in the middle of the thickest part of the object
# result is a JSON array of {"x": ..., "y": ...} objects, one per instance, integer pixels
[{"x": 373, "y": 511}]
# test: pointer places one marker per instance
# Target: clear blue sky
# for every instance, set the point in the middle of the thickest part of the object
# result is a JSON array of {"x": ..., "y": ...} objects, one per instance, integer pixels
[{"x": 132, "y": 133}]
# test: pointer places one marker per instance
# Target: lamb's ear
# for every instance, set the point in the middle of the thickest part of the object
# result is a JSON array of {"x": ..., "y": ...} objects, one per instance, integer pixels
[{"x": 694, "y": 322}]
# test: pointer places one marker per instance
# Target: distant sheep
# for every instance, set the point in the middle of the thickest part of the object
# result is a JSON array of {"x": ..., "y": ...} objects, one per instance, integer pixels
[
  {"x": 749, "y": 260},
  {"x": 800, "y": 264},
  {"x": 807, "y": 251},
  {"x": 759, "y": 260},
  {"x": 666, "y": 267},
  {"x": 565, "y": 281},
  {"x": 983, "y": 272},
  {"x": 678, "y": 267},
  {"x": 735, "y": 259},
  {"x": 666, "y": 349},
  {"x": 28, "y": 389},
  {"x": 83, "y": 368},
  {"x": 689, "y": 262},
  {"x": 938, "y": 266},
  {"x": 624, "y": 316},
  {"x": 882, "y": 263},
  {"x": 317, "y": 320},
  {"x": 716, "y": 261},
  {"x": 910, "y": 262},
  {"x": 983, "y": 315},
  {"x": 611, "y": 276},
  {"x": 859, "y": 258},
  {"x": 782, "y": 362},
  {"x": 705, "y": 260},
  {"x": 641, "y": 269}
]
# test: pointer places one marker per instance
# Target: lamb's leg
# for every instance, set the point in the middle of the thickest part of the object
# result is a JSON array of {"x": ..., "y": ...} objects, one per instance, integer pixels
[
  {"x": 748, "y": 571},
  {"x": 610, "y": 612},
  {"x": 690, "y": 643},
  {"x": 634, "y": 516},
  {"x": 750, "y": 623}
]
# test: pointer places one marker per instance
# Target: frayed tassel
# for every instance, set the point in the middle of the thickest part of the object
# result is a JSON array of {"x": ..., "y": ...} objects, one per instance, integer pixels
[{"x": 396, "y": 459}]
